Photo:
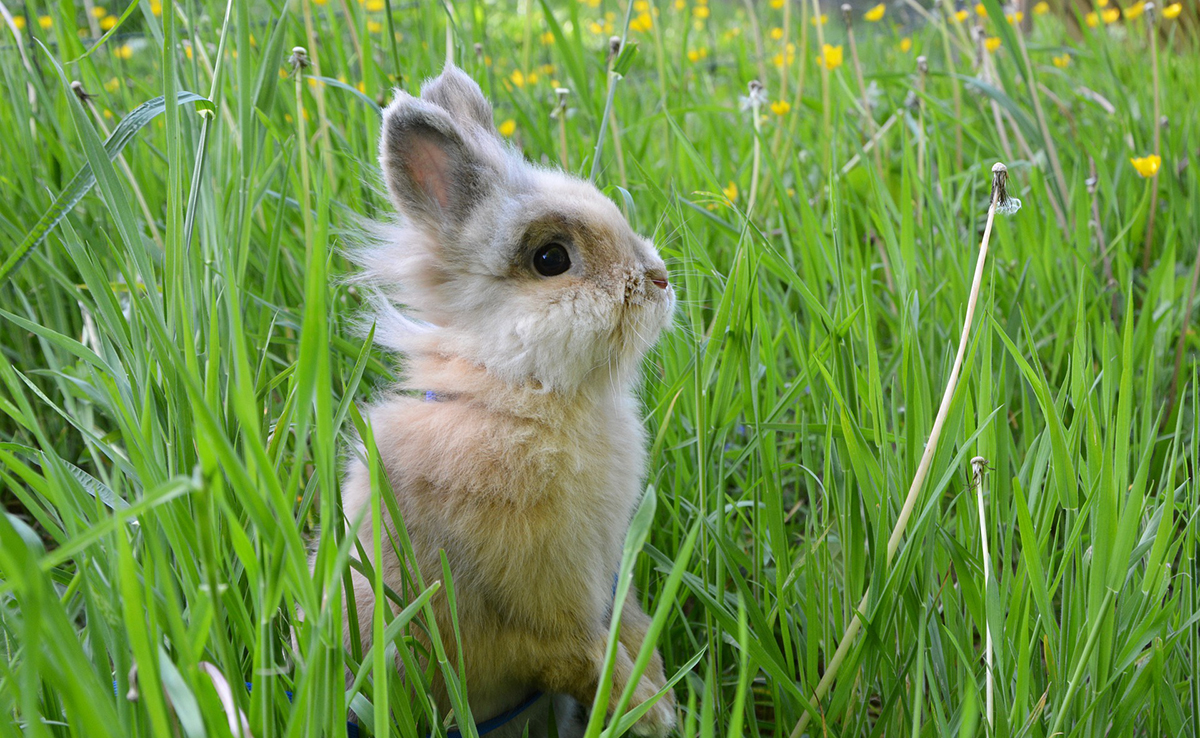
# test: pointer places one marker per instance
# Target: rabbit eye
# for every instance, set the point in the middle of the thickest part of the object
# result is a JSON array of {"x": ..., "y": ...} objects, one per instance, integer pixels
[{"x": 551, "y": 260}]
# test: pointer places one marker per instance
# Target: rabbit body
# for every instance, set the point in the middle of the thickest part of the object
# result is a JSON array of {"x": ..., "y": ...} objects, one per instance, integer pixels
[{"x": 528, "y": 304}]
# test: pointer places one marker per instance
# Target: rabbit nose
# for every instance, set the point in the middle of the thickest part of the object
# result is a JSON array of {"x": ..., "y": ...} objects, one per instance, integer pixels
[{"x": 658, "y": 277}]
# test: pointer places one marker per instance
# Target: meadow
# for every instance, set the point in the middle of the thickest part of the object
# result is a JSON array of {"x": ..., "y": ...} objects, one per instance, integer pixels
[{"x": 181, "y": 375}]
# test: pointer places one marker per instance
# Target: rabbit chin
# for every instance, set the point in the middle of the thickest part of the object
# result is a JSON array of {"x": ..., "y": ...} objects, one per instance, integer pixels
[
  {"x": 579, "y": 343},
  {"x": 583, "y": 343}
]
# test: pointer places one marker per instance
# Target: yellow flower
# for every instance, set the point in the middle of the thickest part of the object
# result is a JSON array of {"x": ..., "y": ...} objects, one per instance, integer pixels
[
  {"x": 731, "y": 191},
  {"x": 19, "y": 22},
  {"x": 156, "y": 7},
  {"x": 187, "y": 50},
  {"x": 1092, "y": 19},
  {"x": 531, "y": 78},
  {"x": 991, "y": 43},
  {"x": 548, "y": 38},
  {"x": 1062, "y": 62},
  {"x": 961, "y": 16},
  {"x": 1041, "y": 8},
  {"x": 644, "y": 21},
  {"x": 361, "y": 87},
  {"x": 819, "y": 20},
  {"x": 781, "y": 107},
  {"x": 1173, "y": 10},
  {"x": 592, "y": 3},
  {"x": 780, "y": 59},
  {"x": 680, "y": 4},
  {"x": 700, "y": 11},
  {"x": 777, "y": 4},
  {"x": 517, "y": 78},
  {"x": 702, "y": 2},
  {"x": 1102, "y": 3},
  {"x": 374, "y": 27},
  {"x": 641, "y": 6},
  {"x": 1016, "y": 17},
  {"x": 45, "y": 21},
  {"x": 548, "y": 69},
  {"x": 776, "y": 34},
  {"x": 905, "y": 45},
  {"x": 108, "y": 114},
  {"x": 108, "y": 22},
  {"x": 1147, "y": 166},
  {"x": 980, "y": 10},
  {"x": 1135, "y": 10},
  {"x": 124, "y": 52},
  {"x": 830, "y": 58},
  {"x": 376, "y": 6},
  {"x": 112, "y": 85},
  {"x": 1112, "y": 15},
  {"x": 99, "y": 12},
  {"x": 875, "y": 13},
  {"x": 696, "y": 55},
  {"x": 507, "y": 128}
]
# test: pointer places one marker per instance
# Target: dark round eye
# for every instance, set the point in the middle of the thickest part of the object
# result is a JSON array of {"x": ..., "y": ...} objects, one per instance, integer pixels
[{"x": 551, "y": 260}]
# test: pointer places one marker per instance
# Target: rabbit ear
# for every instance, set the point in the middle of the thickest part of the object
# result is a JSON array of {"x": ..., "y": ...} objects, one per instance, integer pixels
[
  {"x": 457, "y": 94},
  {"x": 436, "y": 171}
]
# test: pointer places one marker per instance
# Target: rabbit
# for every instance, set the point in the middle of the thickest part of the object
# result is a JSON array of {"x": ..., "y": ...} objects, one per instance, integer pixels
[{"x": 514, "y": 443}]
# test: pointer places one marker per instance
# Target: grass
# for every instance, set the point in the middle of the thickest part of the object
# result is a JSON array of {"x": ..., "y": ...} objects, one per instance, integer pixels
[{"x": 180, "y": 373}]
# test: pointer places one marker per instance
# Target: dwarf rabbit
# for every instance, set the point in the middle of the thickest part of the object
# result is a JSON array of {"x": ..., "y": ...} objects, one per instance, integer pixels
[{"x": 527, "y": 303}]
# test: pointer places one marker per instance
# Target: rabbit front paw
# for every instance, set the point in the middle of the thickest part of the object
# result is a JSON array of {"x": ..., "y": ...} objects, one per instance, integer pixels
[{"x": 659, "y": 720}]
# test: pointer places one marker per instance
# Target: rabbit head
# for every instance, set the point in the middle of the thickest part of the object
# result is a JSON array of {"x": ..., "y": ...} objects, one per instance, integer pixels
[{"x": 527, "y": 272}]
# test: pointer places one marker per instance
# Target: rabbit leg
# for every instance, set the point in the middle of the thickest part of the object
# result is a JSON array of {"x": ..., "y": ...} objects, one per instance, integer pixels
[
  {"x": 634, "y": 624},
  {"x": 578, "y": 676}
]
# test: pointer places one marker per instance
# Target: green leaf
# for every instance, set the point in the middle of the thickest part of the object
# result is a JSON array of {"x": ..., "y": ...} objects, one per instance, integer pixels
[{"x": 85, "y": 178}]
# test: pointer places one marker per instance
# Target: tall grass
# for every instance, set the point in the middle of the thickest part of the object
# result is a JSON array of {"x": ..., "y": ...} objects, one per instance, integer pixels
[{"x": 181, "y": 375}]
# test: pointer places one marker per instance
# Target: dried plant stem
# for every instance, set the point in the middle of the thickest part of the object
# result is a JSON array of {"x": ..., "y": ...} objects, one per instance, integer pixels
[
  {"x": 922, "y": 74},
  {"x": 560, "y": 112},
  {"x": 868, "y": 146},
  {"x": 826, "y": 108},
  {"x": 872, "y": 126},
  {"x": 613, "y": 78},
  {"x": 620, "y": 152},
  {"x": 1110, "y": 282},
  {"x": 756, "y": 161},
  {"x": 1157, "y": 145},
  {"x": 776, "y": 142},
  {"x": 956, "y": 88},
  {"x": 978, "y": 466},
  {"x": 1060, "y": 202},
  {"x": 918, "y": 482},
  {"x": 756, "y": 34}
]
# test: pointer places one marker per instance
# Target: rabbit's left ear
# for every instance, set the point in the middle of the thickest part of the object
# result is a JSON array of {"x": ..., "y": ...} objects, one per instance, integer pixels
[
  {"x": 436, "y": 171},
  {"x": 459, "y": 95}
]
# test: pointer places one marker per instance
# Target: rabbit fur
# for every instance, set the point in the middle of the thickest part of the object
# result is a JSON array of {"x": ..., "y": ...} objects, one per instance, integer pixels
[{"x": 527, "y": 470}]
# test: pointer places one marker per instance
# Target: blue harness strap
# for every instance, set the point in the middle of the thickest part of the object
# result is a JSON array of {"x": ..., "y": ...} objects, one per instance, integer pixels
[{"x": 487, "y": 726}]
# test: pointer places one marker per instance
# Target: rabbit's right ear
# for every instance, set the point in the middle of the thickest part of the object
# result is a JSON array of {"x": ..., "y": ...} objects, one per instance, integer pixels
[{"x": 436, "y": 171}]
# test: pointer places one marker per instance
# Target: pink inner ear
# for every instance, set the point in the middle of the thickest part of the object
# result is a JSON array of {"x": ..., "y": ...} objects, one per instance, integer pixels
[{"x": 429, "y": 165}]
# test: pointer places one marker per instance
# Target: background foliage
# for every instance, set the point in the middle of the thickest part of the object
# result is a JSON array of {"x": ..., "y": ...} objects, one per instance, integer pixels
[{"x": 180, "y": 373}]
